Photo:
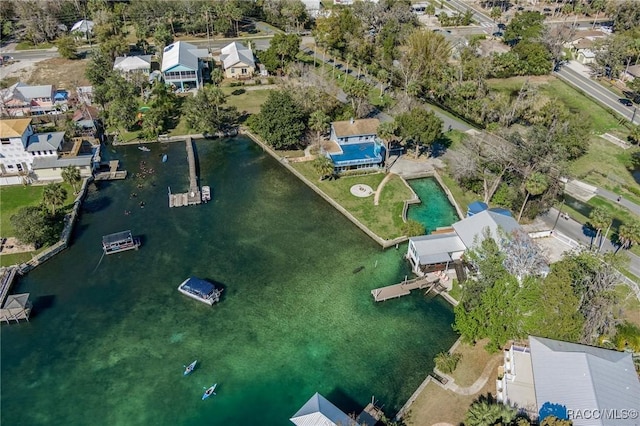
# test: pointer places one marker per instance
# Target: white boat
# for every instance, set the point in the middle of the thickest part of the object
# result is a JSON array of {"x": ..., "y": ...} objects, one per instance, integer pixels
[
  {"x": 210, "y": 391},
  {"x": 200, "y": 290},
  {"x": 189, "y": 368},
  {"x": 144, "y": 148},
  {"x": 206, "y": 193}
]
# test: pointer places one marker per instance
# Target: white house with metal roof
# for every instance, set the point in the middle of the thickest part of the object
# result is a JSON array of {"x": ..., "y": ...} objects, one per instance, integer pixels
[
  {"x": 439, "y": 251},
  {"x": 588, "y": 385},
  {"x": 21, "y": 100},
  {"x": 319, "y": 411},
  {"x": 127, "y": 65},
  {"x": 182, "y": 65},
  {"x": 83, "y": 28},
  {"x": 237, "y": 61}
]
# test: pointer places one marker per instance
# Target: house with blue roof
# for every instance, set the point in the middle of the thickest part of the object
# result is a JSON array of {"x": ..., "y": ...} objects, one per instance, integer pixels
[
  {"x": 182, "y": 65},
  {"x": 355, "y": 145}
]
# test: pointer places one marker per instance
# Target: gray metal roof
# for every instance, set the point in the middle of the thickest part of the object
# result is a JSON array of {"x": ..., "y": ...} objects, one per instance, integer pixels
[
  {"x": 581, "y": 377},
  {"x": 132, "y": 63},
  {"x": 40, "y": 163},
  {"x": 45, "y": 141},
  {"x": 470, "y": 227},
  {"x": 319, "y": 411},
  {"x": 34, "y": 92},
  {"x": 234, "y": 53},
  {"x": 437, "y": 248}
]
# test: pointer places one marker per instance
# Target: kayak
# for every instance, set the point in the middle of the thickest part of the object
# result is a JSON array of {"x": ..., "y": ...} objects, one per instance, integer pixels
[
  {"x": 189, "y": 368},
  {"x": 209, "y": 392}
]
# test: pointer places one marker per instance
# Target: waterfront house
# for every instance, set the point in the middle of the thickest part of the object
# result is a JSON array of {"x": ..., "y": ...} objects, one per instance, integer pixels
[
  {"x": 20, "y": 100},
  {"x": 14, "y": 139},
  {"x": 237, "y": 61},
  {"x": 442, "y": 250},
  {"x": 128, "y": 65},
  {"x": 585, "y": 384},
  {"x": 354, "y": 145},
  {"x": 182, "y": 65},
  {"x": 321, "y": 412}
]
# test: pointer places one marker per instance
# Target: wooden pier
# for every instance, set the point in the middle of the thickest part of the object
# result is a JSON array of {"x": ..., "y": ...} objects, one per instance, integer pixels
[
  {"x": 404, "y": 288},
  {"x": 194, "y": 195},
  {"x": 112, "y": 174}
]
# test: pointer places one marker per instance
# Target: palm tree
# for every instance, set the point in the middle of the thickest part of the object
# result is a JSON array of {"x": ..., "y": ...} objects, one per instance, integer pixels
[
  {"x": 54, "y": 195},
  {"x": 628, "y": 235},
  {"x": 387, "y": 132},
  {"x": 483, "y": 413},
  {"x": 634, "y": 134},
  {"x": 536, "y": 184},
  {"x": 319, "y": 121},
  {"x": 71, "y": 175},
  {"x": 323, "y": 165},
  {"x": 599, "y": 218}
]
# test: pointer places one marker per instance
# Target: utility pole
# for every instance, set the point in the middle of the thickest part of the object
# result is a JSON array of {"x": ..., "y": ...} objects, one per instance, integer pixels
[
  {"x": 208, "y": 39},
  {"x": 558, "y": 217}
]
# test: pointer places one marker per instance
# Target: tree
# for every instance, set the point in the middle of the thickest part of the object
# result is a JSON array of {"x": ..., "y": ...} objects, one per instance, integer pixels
[
  {"x": 31, "y": 225},
  {"x": 524, "y": 26},
  {"x": 427, "y": 54},
  {"x": 162, "y": 37},
  {"x": 323, "y": 165},
  {"x": 523, "y": 257},
  {"x": 496, "y": 13},
  {"x": 54, "y": 195},
  {"x": 286, "y": 46},
  {"x": 280, "y": 121},
  {"x": 67, "y": 47},
  {"x": 634, "y": 133},
  {"x": 447, "y": 362},
  {"x": 486, "y": 412},
  {"x": 71, "y": 175},
  {"x": 419, "y": 126},
  {"x": 599, "y": 219},
  {"x": 387, "y": 132},
  {"x": 357, "y": 92},
  {"x": 628, "y": 235},
  {"x": 412, "y": 228},
  {"x": 205, "y": 112},
  {"x": 319, "y": 122},
  {"x": 535, "y": 184}
]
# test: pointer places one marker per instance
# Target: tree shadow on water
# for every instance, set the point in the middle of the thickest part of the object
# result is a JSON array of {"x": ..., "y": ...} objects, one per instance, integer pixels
[{"x": 42, "y": 303}]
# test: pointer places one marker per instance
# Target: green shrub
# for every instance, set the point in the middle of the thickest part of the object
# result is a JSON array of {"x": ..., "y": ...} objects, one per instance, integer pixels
[{"x": 447, "y": 362}]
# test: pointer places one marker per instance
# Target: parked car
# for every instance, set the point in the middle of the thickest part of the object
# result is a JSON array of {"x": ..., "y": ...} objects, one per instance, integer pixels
[
  {"x": 626, "y": 102},
  {"x": 497, "y": 34},
  {"x": 502, "y": 27}
]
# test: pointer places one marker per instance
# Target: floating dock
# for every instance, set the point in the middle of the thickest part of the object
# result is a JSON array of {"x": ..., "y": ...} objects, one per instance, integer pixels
[
  {"x": 404, "y": 288},
  {"x": 112, "y": 174},
  {"x": 120, "y": 241},
  {"x": 194, "y": 195}
]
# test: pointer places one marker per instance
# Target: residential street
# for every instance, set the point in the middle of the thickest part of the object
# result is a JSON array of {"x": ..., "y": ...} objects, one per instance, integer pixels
[{"x": 571, "y": 74}]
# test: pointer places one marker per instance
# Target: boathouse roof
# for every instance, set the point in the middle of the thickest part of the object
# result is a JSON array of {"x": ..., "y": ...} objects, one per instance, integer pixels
[
  {"x": 320, "y": 411},
  {"x": 118, "y": 236}
]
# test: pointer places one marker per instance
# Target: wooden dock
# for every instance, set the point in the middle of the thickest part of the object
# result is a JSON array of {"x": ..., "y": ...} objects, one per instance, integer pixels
[
  {"x": 194, "y": 195},
  {"x": 112, "y": 174},
  {"x": 17, "y": 306},
  {"x": 404, "y": 288}
]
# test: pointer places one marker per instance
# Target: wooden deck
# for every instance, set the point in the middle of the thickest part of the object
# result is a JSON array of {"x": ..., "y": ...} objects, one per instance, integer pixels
[
  {"x": 6, "y": 281},
  {"x": 404, "y": 288},
  {"x": 194, "y": 196},
  {"x": 113, "y": 173}
]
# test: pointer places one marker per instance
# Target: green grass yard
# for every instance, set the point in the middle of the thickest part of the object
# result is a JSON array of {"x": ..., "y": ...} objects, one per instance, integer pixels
[
  {"x": 385, "y": 220},
  {"x": 249, "y": 101}
]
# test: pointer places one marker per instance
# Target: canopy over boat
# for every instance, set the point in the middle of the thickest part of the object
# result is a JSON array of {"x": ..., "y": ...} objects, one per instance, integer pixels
[{"x": 198, "y": 287}]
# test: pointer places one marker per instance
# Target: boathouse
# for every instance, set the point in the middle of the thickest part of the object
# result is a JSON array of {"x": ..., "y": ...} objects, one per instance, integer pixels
[{"x": 318, "y": 410}]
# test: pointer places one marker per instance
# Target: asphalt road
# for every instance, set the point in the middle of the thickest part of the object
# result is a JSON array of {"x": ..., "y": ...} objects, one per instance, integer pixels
[
  {"x": 601, "y": 94},
  {"x": 479, "y": 17},
  {"x": 579, "y": 232}
]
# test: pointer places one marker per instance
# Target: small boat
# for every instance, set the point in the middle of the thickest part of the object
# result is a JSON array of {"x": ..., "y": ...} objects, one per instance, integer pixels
[
  {"x": 120, "y": 241},
  {"x": 209, "y": 392},
  {"x": 144, "y": 148},
  {"x": 206, "y": 193},
  {"x": 189, "y": 368},
  {"x": 164, "y": 158},
  {"x": 200, "y": 290}
]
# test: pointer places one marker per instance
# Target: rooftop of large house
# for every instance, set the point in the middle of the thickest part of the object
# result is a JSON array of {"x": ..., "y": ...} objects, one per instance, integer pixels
[
  {"x": 365, "y": 126},
  {"x": 24, "y": 92},
  {"x": 132, "y": 63},
  {"x": 182, "y": 53},
  {"x": 581, "y": 377},
  {"x": 235, "y": 53},
  {"x": 470, "y": 229},
  {"x": 45, "y": 141},
  {"x": 13, "y": 127}
]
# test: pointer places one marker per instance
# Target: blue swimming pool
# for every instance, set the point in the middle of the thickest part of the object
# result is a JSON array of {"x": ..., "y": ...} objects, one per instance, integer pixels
[
  {"x": 435, "y": 210},
  {"x": 359, "y": 153}
]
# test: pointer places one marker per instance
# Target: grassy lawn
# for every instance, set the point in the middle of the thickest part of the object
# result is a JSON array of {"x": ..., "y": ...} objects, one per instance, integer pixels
[
  {"x": 27, "y": 45},
  {"x": 17, "y": 258},
  {"x": 385, "y": 219},
  {"x": 249, "y": 101},
  {"x": 616, "y": 176},
  {"x": 456, "y": 290},
  {"x": 13, "y": 198},
  {"x": 600, "y": 119},
  {"x": 437, "y": 405}
]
